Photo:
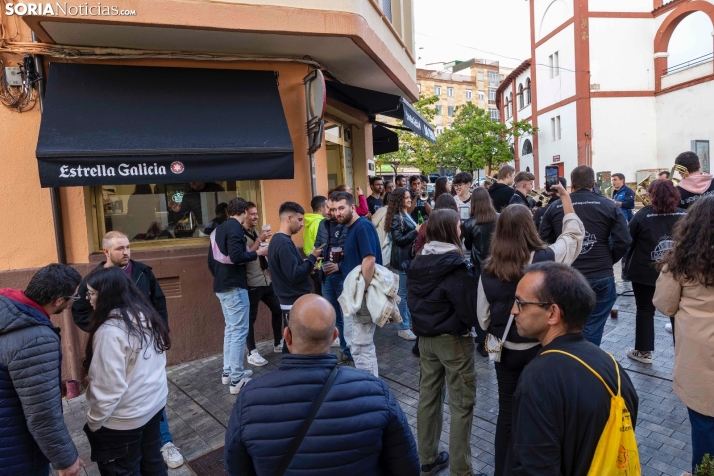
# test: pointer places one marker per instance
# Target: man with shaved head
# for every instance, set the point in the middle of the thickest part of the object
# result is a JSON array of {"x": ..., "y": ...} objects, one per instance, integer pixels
[{"x": 370, "y": 435}]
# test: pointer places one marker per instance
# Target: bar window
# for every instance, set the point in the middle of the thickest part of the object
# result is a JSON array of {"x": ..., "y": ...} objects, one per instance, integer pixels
[{"x": 171, "y": 212}]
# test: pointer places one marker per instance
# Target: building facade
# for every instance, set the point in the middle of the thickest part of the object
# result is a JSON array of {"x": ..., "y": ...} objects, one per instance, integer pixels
[
  {"x": 119, "y": 139},
  {"x": 604, "y": 92}
]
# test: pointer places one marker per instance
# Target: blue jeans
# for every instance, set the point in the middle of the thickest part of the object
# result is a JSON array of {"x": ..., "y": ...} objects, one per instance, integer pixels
[
  {"x": 606, "y": 295},
  {"x": 403, "y": 308},
  {"x": 331, "y": 290},
  {"x": 702, "y": 436},
  {"x": 165, "y": 432},
  {"x": 236, "y": 309}
]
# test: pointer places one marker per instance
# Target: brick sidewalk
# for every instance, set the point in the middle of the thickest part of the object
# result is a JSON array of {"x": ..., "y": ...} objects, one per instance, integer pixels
[{"x": 199, "y": 407}]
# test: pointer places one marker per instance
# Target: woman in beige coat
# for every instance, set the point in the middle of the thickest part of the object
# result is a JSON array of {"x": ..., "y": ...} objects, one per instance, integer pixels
[{"x": 685, "y": 290}]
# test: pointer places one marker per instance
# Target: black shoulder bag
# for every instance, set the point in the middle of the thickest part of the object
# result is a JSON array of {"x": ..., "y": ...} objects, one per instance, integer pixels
[{"x": 287, "y": 459}]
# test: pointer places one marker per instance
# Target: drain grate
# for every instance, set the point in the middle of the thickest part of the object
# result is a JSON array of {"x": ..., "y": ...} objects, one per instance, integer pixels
[{"x": 210, "y": 464}]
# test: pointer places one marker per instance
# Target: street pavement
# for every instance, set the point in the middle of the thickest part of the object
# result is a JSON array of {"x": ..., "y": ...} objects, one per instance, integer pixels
[{"x": 199, "y": 407}]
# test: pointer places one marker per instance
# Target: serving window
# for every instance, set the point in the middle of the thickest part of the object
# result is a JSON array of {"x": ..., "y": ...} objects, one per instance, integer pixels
[{"x": 181, "y": 213}]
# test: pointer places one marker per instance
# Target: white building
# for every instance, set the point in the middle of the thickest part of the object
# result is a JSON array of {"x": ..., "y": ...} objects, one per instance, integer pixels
[{"x": 605, "y": 92}]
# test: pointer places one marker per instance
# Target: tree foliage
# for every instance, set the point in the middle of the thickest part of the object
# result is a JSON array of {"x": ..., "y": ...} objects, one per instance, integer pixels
[
  {"x": 475, "y": 141},
  {"x": 414, "y": 151}
]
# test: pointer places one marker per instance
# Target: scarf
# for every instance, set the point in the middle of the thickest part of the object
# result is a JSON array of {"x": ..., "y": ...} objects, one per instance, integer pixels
[{"x": 438, "y": 248}]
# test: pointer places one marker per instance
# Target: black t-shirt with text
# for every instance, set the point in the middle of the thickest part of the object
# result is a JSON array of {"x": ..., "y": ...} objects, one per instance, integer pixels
[{"x": 374, "y": 204}]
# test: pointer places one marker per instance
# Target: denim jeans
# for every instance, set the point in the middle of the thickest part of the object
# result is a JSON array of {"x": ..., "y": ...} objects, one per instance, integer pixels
[
  {"x": 702, "y": 436},
  {"x": 331, "y": 290},
  {"x": 606, "y": 294},
  {"x": 403, "y": 308},
  {"x": 164, "y": 427},
  {"x": 236, "y": 307},
  {"x": 128, "y": 452}
]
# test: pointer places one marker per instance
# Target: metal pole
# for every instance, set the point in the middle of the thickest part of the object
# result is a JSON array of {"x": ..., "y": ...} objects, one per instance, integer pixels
[
  {"x": 55, "y": 199},
  {"x": 312, "y": 173}
]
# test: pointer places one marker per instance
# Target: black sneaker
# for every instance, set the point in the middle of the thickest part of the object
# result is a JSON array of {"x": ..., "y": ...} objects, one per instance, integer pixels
[
  {"x": 481, "y": 350},
  {"x": 441, "y": 462},
  {"x": 415, "y": 350}
]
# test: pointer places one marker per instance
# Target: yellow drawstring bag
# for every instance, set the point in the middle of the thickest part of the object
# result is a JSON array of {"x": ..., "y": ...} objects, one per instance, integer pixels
[{"x": 616, "y": 453}]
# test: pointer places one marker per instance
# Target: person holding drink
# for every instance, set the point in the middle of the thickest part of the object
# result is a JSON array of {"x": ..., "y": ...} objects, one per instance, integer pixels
[
  {"x": 290, "y": 272},
  {"x": 332, "y": 235},
  {"x": 260, "y": 286}
]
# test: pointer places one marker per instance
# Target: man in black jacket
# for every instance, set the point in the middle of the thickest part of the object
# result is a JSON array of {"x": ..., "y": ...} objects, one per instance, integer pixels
[
  {"x": 117, "y": 250},
  {"x": 560, "y": 408},
  {"x": 32, "y": 430},
  {"x": 606, "y": 242},
  {"x": 524, "y": 186},
  {"x": 230, "y": 283},
  {"x": 538, "y": 214},
  {"x": 290, "y": 272},
  {"x": 501, "y": 191}
]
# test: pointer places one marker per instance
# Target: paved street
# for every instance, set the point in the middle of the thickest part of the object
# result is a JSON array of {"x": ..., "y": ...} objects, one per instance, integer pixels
[{"x": 199, "y": 406}]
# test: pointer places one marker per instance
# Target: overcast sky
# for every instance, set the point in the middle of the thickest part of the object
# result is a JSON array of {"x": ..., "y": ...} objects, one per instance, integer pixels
[{"x": 449, "y": 30}]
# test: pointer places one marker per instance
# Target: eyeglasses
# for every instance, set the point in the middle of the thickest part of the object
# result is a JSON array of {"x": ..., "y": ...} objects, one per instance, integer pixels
[
  {"x": 91, "y": 293},
  {"x": 523, "y": 303},
  {"x": 73, "y": 298}
]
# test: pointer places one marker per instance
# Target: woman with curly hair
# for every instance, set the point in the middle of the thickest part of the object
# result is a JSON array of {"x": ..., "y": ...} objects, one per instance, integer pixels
[
  {"x": 651, "y": 231},
  {"x": 403, "y": 229},
  {"x": 685, "y": 290}
]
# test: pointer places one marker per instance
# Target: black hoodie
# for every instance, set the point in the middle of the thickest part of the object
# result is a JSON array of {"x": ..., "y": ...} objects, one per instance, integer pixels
[
  {"x": 500, "y": 195},
  {"x": 442, "y": 295}
]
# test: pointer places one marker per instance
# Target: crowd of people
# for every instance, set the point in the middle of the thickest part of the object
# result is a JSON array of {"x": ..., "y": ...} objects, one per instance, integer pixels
[{"x": 462, "y": 272}]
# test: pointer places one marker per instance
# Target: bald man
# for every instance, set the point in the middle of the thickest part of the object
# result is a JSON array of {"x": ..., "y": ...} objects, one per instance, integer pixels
[{"x": 374, "y": 436}]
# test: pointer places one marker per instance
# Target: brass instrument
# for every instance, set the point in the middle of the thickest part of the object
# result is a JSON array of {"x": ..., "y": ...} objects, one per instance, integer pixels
[
  {"x": 683, "y": 173},
  {"x": 641, "y": 192},
  {"x": 424, "y": 196},
  {"x": 538, "y": 195},
  {"x": 607, "y": 192}
]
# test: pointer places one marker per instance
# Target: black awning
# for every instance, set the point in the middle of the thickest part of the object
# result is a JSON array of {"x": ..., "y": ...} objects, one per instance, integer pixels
[
  {"x": 384, "y": 140},
  {"x": 112, "y": 125},
  {"x": 375, "y": 102}
]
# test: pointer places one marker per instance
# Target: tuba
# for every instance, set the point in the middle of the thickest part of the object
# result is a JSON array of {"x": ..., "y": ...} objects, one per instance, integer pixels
[
  {"x": 641, "y": 192},
  {"x": 681, "y": 170}
]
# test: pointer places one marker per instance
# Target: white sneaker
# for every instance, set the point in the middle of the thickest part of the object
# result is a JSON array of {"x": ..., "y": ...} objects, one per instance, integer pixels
[
  {"x": 668, "y": 327},
  {"x": 226, "y": 378},
  {"x": 278, "y": 349},
  {"x": 254, "y": 358},
  {"x": 172, "y": 455},
  {"x": 238, "y": 386},
  {"x": 406, "y": 334},
  {"x": 336, "y": 342}
]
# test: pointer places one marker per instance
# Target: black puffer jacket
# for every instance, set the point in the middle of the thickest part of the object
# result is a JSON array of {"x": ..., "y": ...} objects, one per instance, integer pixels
[
  {"x": 32, "y": 430},
  {"x": 404, "y": 234},
  {"x": 477, "y": 239},
  {"x": 442, "y": 295}
]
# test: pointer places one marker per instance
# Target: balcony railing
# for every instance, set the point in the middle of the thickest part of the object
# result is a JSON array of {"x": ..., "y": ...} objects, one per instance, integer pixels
[{"x": 689, "y": 64}]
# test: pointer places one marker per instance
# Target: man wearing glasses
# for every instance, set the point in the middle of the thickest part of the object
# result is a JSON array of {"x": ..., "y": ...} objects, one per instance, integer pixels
[
  {"x": 117, "y": 249},
  {"x": 560, "y": 407},
  {"x": 462, "y": 187},
  {"x": 33, "y": 429}
]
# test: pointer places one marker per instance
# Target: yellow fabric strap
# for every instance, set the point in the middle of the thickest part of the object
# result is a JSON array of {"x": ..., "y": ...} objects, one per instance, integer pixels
[{"x": 617, "y": 369}]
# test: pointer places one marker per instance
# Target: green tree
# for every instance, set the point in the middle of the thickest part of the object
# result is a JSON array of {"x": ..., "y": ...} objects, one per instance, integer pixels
[
  {"x": 414, "y": 150},
  {"x": 475, "y": 141}
]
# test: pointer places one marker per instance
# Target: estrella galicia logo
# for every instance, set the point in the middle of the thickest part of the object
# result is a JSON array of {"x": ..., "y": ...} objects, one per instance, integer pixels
[{"x": 177, "y": 167}]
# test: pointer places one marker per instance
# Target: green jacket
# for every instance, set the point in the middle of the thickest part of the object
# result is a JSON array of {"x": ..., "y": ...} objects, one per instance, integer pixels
[{"x": 312, "y": 222}]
